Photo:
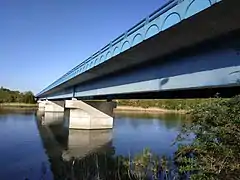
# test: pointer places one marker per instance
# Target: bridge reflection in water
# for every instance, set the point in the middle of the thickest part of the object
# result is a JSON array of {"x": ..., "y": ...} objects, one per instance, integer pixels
[{"x": 74, "y": 153}]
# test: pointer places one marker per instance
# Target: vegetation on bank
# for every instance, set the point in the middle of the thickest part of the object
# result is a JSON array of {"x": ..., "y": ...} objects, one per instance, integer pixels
[
  {"x": 170, "y": 104},
  {"x": 106, "y": 166},
  {"x": 14, "y": 98},
  {"x": 214, "y": 153},
  {"x": 209, "y": 149}
]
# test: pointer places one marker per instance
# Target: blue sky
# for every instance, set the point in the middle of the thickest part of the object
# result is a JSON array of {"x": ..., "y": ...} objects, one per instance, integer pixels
[{"x": 40, "y": 40}]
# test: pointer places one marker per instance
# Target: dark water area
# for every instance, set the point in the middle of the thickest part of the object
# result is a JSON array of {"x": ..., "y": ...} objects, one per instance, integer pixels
[{"x": 34, "y": 147}]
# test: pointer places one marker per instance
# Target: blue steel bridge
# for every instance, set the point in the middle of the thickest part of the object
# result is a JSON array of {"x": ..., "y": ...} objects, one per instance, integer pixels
[{"x": 187, "y": 48}]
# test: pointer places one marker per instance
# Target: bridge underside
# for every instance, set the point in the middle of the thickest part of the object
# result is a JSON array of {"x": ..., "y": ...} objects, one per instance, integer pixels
[
  {"x": 202, "y": 71},
  {"x": 198, "y": 57},
  {"x": 224, "y": 92}
]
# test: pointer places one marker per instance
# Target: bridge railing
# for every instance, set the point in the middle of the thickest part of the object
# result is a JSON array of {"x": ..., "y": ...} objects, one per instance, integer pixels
[{"x": 171, "y": 13}]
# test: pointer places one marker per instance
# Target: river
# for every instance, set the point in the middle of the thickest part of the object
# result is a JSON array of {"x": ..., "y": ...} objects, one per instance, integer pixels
[{"x": 31, "y": 146}]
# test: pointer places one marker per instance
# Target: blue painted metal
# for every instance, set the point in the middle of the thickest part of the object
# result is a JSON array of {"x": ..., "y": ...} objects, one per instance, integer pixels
[
  {"x": 216, "y": 68},
  {"x": 167, "y": 16}
]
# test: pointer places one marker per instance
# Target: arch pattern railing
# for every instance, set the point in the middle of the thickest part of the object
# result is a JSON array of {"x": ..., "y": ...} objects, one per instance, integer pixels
[{"x": 173, "y": 12}]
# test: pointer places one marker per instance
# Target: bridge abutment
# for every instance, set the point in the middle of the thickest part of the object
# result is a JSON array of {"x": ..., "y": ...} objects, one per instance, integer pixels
[{"x": 90, "y": 114}]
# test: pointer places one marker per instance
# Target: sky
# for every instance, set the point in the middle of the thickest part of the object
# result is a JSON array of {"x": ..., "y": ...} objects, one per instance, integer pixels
[{"x": 40, "y": 40}]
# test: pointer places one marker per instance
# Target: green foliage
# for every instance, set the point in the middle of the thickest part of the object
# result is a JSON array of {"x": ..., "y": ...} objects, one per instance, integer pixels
[
  {"x": 215, "y": 151},
  {"x": 147, "y": 165},
  {"x": 8, "y": 96},
  {"x": 104, "y": 166},
  {"x": 175, "y": 104}
]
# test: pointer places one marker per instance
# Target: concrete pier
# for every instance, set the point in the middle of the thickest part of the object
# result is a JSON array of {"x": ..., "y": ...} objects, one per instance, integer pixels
[
  {"x": 54, "y": 106},
  {"x": 90, "y": 114},
  {"x": 41, "y": 105}
]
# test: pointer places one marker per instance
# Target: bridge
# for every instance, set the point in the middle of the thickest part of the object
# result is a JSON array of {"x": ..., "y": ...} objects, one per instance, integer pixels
[{"x": 187, "y": 48}]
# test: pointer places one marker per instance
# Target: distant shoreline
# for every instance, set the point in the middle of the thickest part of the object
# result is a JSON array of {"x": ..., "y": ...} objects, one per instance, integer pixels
[
  {"x": 119, "y": 109},
  {"x": 147, "y": 110},
  {"x": 17, "y": 106}
]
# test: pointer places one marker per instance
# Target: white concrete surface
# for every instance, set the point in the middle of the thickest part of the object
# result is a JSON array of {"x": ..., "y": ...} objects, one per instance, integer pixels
[
  {"x": 41, "y": 105},
  {"x": 54, "y": 106},
  {"x": 85, "y": 116}
]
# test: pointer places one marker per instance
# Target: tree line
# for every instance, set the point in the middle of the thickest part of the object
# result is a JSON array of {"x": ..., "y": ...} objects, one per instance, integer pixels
[
  {"x": 9, "y": 96},
  {"x": 172, "y": 104}
]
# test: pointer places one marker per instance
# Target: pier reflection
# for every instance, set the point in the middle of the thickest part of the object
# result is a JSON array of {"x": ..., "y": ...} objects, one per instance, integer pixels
[
  {"x": 51, "y": 118},
  {"x": 83, "y": 142},
  {"x": 72, "y": 149}
]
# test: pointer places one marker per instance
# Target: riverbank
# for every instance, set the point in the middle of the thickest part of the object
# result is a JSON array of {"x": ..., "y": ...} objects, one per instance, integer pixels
[
  {"x": 162, "y": 105},
  {"x": 119, "y": 109},
  {"x": 18, "y": 106},
  {"x": 130, "y": 109}
]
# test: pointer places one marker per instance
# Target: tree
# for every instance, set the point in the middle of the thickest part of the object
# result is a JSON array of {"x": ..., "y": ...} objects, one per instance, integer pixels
[
  {"x": 214, "y": 153},
  {"x": 8, "y": 96},
  {"x": 28, "y": 97}
]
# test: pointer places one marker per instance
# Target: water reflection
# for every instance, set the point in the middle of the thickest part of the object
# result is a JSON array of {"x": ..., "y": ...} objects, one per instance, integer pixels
[
  {"x": 62, "y": 145},
  {"x": 82, "y": 143},
  {"x": 168, "y": 120},
  {"x": 50, "y": 118},
  {"x": 136, "y": 131},
  {"x": 82, "y": 153},
  {"x": 8, "y": 111}
]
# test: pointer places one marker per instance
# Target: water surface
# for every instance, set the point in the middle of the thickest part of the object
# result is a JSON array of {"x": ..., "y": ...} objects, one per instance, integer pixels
[{"x": 33, "y": 146}]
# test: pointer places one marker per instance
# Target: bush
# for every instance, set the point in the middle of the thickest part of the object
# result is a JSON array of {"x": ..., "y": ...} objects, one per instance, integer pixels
[{"x": 215, "y": 150}]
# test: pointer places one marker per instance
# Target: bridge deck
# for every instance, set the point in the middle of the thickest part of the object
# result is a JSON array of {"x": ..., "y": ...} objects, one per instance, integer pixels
[{"x": 212, "y": 23}]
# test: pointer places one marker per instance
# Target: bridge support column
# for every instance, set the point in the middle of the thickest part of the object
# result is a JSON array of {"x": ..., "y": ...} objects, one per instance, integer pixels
[
  {"x": 41, "y": 105},
  {"x": 54, "y": 106},
  {"x": 90, "y": 114}
]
